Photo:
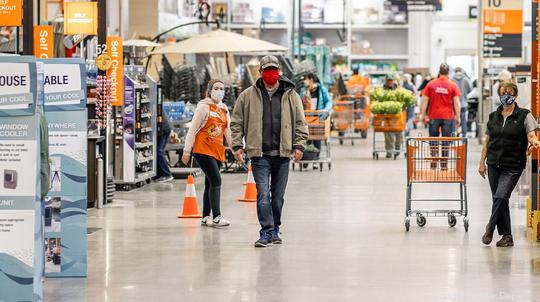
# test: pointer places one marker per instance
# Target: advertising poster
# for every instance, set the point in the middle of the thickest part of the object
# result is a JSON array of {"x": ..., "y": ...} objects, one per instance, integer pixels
[
  {"x": 65, "y": 204},
  {"x": 128, "y": 112},
  {"x": 20, "y": 204},
  {"x": 63, "y": 84}
]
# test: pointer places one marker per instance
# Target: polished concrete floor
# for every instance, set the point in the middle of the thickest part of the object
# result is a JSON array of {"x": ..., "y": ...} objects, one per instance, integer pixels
[{"x": 344, "y": 240}]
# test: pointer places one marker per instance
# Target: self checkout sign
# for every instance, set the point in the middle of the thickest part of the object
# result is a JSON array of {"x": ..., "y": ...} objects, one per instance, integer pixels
[
  {"x": 502, "y": 28},
  {"x": 43, "y": 41}
]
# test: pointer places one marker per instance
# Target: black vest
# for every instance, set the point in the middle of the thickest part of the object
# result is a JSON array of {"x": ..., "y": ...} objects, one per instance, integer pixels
[{"x": 507, "y": 147}]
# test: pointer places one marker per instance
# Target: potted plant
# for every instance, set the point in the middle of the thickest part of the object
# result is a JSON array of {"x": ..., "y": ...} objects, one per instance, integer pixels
[{"x": 311, "y": 153}]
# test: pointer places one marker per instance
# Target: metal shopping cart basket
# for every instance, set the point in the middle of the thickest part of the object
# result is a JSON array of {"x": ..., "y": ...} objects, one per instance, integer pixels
[
  {"x": 319, "y": 130},
  {"x": 343, "y": 120},
  {"x": 437, "y": 160}
]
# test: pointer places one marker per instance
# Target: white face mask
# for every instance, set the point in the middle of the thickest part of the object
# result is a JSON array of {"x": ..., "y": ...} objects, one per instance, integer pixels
[{"x": 217, "y": 95}]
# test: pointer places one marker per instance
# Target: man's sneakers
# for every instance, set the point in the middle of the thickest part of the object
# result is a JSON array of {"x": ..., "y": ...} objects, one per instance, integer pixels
[
  {"x": 264, "y": 241},
  {"x": 275, "y": 237},
  {"x": 218, "y": 222},
  {"x": 269, "y": 239}
]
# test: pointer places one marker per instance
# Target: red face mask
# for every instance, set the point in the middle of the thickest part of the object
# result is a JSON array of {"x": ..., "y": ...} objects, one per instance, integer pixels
[{"x": 270, "y": 76}]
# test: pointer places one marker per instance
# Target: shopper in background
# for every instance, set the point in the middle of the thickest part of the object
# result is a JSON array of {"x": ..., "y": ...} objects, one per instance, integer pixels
[
  {"x": 441, "y": 96},
  {"x": 164, "y": 132},
  {"x": 464, "y": 84},
  {"x": 408, "y": 84},
  {"x": 392, "y": 140},
  {"x": 209, "y": 128},
  {"x": 315, "y": 96},
  {"x": 509, "y": 131},
  {"x": 502, "y": 77},
  {"x": 269, "y": 116}
]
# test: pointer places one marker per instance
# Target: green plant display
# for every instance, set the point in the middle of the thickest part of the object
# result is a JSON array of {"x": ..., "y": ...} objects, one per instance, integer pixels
[
  {"x": 401, "y": 96},
  {"x": 386, "y": 107}
]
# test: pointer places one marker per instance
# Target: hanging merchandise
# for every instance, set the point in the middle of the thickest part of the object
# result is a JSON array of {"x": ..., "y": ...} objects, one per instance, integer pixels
[
  {"x": 321, "y": 57},
  {"x": 103, "y": 99},
  {"x": 301, "y": 70},
  {"x": 181, "y": 83}
]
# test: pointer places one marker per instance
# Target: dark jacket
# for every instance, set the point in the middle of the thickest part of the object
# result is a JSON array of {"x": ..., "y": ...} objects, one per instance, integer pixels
[{"x": 507, "y": 147}]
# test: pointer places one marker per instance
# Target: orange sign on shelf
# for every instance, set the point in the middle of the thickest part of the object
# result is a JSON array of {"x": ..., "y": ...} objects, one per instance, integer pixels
[
  {"x": 80, "y": 18},
  {"x": 43, "y": 42},
  {"x": 116, "y": 72},
  {"x": 10, "y": 12}
]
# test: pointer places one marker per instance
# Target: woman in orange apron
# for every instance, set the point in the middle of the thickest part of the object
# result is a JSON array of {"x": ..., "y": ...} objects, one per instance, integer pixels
[{"x": 209, "y": 128}]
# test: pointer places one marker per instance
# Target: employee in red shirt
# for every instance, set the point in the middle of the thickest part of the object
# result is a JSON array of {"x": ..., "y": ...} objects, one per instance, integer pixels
[{"x": 441, "y": 106}]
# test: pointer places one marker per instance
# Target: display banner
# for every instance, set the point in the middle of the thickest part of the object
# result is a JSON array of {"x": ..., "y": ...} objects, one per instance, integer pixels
[
  {"x": 80, "y": 18},
  {"x": 18, "y": 82},
  {"x": 65, "y": 80},
  {"x": 43, "y": 42},
  {"x": 116, "y": 72},
  {"x": 65, "y": 204},
  {"x": 502, "y": 28},
  {"x": 128, "y": 114},
  {"x": 21, "y": 239},
  {"x": 10, "y": 12}
]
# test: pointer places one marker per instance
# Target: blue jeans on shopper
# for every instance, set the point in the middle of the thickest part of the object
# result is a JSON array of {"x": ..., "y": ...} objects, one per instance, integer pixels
[
  {"x": 444, "y": 128},
  {"x": 464, "y": 118},
  {"x": 162, "y": 164},
  {"x": 271, "y": 174}
]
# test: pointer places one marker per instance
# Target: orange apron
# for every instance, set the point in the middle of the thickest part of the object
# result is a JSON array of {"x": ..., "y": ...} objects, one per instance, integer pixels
[{"x": 209, "y": 140}]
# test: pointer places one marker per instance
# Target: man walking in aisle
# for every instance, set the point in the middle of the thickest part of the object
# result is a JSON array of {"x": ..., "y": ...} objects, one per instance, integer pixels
[
  {"x": 441, "y": 96},
  {"x": 464, "y": 84},
  {"x": 269, "y": 116}
]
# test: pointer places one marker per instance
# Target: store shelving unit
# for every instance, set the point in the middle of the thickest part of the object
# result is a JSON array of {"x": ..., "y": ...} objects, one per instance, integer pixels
[{"x": 135, "y": 137}]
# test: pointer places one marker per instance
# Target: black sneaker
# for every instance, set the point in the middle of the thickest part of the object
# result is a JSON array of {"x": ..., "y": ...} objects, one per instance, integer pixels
[
  {"x": 264, "y": 241},
  {"x": 488, "y": 235},
  {"x": 506, "y": 241},
  {"x": 388, "y": 155},
  {"x": 275, "y": 237}
]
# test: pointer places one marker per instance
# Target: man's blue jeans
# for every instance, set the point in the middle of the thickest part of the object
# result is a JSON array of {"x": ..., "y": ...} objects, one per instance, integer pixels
[
  {"x": 271, "y": 174},
  {"x": 162, "y": 164}
]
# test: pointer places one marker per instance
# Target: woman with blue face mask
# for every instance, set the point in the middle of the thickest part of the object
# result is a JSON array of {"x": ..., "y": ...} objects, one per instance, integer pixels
[
  {"x": 509, "y": 132},
  {"x": 209, "y": 128}
]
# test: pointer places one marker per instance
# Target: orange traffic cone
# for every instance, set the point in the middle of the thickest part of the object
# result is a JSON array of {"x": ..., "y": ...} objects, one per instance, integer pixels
[
  {"x": 250, "y": 194},
  {"x": 190, "y": 209}
]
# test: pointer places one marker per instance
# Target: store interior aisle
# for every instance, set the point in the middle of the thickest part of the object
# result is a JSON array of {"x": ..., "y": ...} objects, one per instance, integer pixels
[{"x": 343, "y": 234}]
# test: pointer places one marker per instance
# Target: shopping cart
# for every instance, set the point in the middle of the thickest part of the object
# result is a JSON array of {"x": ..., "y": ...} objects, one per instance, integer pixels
[
  {"x": 319, "y": 130},
  {"x": 388, "y": 123},
  {"x": 437, "y": 160},
  {"x": 361, "y": 115}
]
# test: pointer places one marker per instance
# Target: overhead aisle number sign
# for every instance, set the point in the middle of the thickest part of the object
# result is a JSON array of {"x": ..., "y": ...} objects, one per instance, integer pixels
[{"x": 502, "y": 28}]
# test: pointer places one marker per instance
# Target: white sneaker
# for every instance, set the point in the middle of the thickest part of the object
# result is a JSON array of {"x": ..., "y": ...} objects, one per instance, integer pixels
[
  {"x": 315, "y": 166},
  {"x": 220, "y": 222},
  {"x": 206, "y": 221}
]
